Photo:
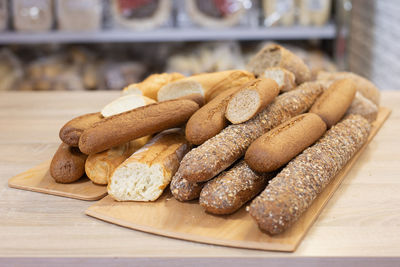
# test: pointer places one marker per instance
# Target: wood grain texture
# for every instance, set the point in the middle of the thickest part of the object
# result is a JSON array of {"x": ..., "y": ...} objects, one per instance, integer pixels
[{"x": 361, "y": 220}]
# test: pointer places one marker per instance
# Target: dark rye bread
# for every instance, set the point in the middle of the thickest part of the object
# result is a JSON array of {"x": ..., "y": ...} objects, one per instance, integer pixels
[
  {"x": 68, "y": 164},
  {"x": 230, "y": 190},
  {"x": 122, "y": 128},
  {"x": 334, "y": 102},
  {"x": 292, "y": 191},
  {"x": 221, "y": 151},
  {"x": 72, "y": 130},
  {"x": 277, "y": 147}
]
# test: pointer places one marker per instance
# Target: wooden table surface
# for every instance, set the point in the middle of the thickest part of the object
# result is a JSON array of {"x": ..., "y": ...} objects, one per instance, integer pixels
[{"x": 361, "y": 221}]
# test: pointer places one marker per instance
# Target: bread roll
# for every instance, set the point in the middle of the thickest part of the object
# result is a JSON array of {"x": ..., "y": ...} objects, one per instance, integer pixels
[
  {"x": 144, "y": 175},
  {"x": 100, "y": 166},
  {"x": 284, "y": 78},
  {"x": 68, "y": 164},
  {"x": 253, "y": 97},
  {"x": 125, "y": 103},
  {"x": 293, "y": 190},
  {"x": 273, "y": 55},
  {"x": 216, "y": 154},
  {"x": 365, "y": 87},
  {"x": 149, "y": 87},
  {"x": 72, "y": 130},
  {"x": 277, "y": 147},
  {"x": 230, "y": 190},
  {"x": 119, "y": 129},
  {"x": 364, "y": 107},
  {"x": 209, "y": 120},
  {"x": 334, "y": 102},
  {"x": 207, "y": 84}
]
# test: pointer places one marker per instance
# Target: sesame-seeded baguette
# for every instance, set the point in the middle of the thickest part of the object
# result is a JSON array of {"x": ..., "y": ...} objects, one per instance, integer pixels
[
  {"x": 183, "y": 190},
  {"x": 273, "y": 55},
  {"x": 293, "y": 190},
  {"x": 230, "y": 190},
  {"x": 364, "y": 107},
  {"x": 221, "y": 151}
]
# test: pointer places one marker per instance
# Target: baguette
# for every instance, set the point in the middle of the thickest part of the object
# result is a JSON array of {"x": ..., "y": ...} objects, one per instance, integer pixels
[
  {"x": 273, "y": 55},
  {"x": 100, "y": 166},
  {"x": 68, "y": 164},
  {"x": 284, "y": 78},
  {"x": 119, "y": 129},
  {"x": 365, "y": 87},
  {"x": 216, "y": 154},
  {"x": 151, "y": 85},
  {"x": 207, "y": 84},
  {"x": 278, "y": 146},
  {"x": 230, "y": 190},
  {"x": 364, "y": 107},
  {"x": 293, "y": 190},
  {"x": 72, "y": 130},
  {"x": 209, "y": 120},
  {"x": 334, "y": 102},
  {"x": 253, "y": 97},
  {"x": 144, "y": 175},
  {"x": 125, "y": 103}
]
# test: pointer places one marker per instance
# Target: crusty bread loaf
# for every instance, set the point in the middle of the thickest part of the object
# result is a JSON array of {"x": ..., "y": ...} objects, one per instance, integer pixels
[
  {"x": 365, "y": 87},
  {"x": 293, "y": 190},
  {"x": 72, "y": 130},
  {"x": 144, "y": 175},
  {"x": 100, "y": 166},
  {"x": 149, "y": 87},
  {"x": 334, "y": 102},
  {"x": 216, "y": 154},
  {"x": 198, "y": 98},
  {"x": 252, "y": 97},
  {"x": 207, "y": 84},
  {"x": 277, "y": 147},
  {"x": 210, "y": 119},
  {"x": 68, "y": 164},
  {"x": 125, "y": 103},
  {"x": 119, "y": 129},
  {"x": 230, "y": 190},
  {"x": 364, "y": 107},
  {"x": 284, "y": 78},
  {"x": 273, "y": 55}
]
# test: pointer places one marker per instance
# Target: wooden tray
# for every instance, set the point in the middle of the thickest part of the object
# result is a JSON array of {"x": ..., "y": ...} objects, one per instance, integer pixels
[
  {"x": 38, "y": 179},
  {"x": 168, "y": 217}
]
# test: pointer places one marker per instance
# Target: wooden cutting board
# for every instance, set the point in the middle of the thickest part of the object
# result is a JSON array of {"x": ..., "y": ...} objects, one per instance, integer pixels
[
  {"x": 188, "y": 221},
  {"x": 38, "y": 179}
]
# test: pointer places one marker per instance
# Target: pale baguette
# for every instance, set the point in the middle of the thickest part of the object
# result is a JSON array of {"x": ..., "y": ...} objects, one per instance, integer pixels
[{"x": 125, "y": 103}]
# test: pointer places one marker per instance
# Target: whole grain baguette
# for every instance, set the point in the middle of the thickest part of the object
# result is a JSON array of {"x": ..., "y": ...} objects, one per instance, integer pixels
[
  {"x": 284, "y": 78},
  {"x": 364, "y": 86},
  {"x": 364, "y": 107},
  {"x": 334, "y": 102},
  {"x": 231, "y": 189},
  {"x": 72, "y": 130},
  {"x": 145, "y": 174},
  {"x": 273, "y": 55},
  {"x": 216, "y": 154},
  {"x": 119, "y": 129},
  {"x": 183, "y": 190},
  {"x": 68, "y": 164},
  {"x": 210, "y": 119},
  {"x": 277, "y": 147},
  {"x": 293, "y": 190},
  {"x": 252, "y": 97}
]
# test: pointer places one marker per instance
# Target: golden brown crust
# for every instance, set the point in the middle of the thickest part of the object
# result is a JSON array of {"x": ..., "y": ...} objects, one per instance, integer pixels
[
  {"x": 72, "y": 130},
  {"x": 334, "y": 102},
  {"x": 68, "y": 164},
  {"x": 121, "y": 128},
  {"x": 278, "y": 146}
]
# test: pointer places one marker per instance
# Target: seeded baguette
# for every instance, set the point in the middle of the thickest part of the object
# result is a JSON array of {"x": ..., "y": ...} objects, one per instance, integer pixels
[
  {"x": 292, "y": 191},
  {"x": 364, "y": 107},
  {"x": 284, "y": 78},
  {"x": 273, "y": 55},
  {"x": 72, "y": 130},
  {"x": 230, "y": 190},
  {"x": 277, "y": 147},
  {"x": 334, "y": 102},
  {"x": 253, "y": 97},
  {"x": 183, "y": 190},
  {"x": 119, "y": 129},
  {"x": 221, "y": 151}
]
